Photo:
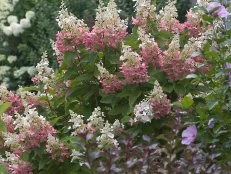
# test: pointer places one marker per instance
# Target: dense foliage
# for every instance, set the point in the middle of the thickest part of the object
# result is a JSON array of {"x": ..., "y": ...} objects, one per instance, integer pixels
[{"x": 156, "y": 100}]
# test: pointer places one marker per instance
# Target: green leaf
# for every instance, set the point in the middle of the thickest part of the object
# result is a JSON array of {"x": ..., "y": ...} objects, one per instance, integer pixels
[
  {"x": 68, "y": 60},
  {"x": 212, "y": 105},
  {"x": 3, "y": 169},
  {"x": 187, "y": 102},
  {"x": 4, "y": 107}
]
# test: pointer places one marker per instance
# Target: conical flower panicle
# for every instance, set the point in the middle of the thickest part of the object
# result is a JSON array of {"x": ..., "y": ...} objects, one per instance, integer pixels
[
  {"x": 110, "y": 83},
  {"x": 144, "y": 11},
  {"x": 109, "y": 30},
  {"x": 167, "y": 19},
  {"x": 72, "y": 32},
  {"x": 133, "y": 68},
  {"x": 150, "y": 51},
  {"x": 193, "y": 23},
  {"x": 158, "y": 101},
  {"x": 175, "y": 66}
]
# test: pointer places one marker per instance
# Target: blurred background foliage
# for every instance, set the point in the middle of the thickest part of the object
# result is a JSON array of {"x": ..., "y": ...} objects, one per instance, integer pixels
[{"x": 29, "y": 46}]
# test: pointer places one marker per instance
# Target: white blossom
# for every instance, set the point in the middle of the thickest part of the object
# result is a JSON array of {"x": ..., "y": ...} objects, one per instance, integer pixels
[
  {"x": 29, "y": 15},
  {"x": 106, "y": 139},
  {"x": 68, "y": 22},
  {"x": 143, "y": 112},
  {"x": 45, "y": 73},
  {"x": 11, "y": 59},
  {"x": 12, "y": 19},
  {"x": 78, "y": 123},
  {"x": 108, "y": 17},
  {"x": 96, "y": 119},
  {"x": 16, "y": 28},
  {"x": 25, "y": 23}
]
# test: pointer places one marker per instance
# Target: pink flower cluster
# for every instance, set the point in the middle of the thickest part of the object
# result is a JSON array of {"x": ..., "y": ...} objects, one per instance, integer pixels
[
  {"x": 16, "y": 103},
  {"x": 67, "y": 41},
  {"x": 111, "y": 84},
  {"x": 160, "y": 108},
  {"x": 33, "y": 136},
  {"x": 9, "y": 122},
  {"x": 135, "y": 73},
  {"x": 23, "y": 168},
  {"x": 153, "y": 55},
  {"x": 205, "y": 67},
  {"x": 60, "y": 153},
  {"x": 173, "y": 26},
  {"x": 176, "y": 67},
  {"x": 99, "y": 38}
]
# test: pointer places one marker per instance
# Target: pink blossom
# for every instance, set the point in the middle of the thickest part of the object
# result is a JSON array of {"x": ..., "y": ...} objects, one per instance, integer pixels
[
  {"x": 160, "y": 108},
  {"x": 136, "y": 21},
  {"x": 23, "y": 168},
  {"x": 189, "y": 135},
  {"x": 135, "y": 74},
  {"x": 99, "y": 38},
  {"x": 111, "y": 84},
  {"x": 173, "y": 26},
  {"x": 152, "y": 55},
  {"x": 16, "y": 103},
  {"x": 66, "y": 41},
  {"x": 9, "y": 122},
  {"x": 177, "y": 68}
]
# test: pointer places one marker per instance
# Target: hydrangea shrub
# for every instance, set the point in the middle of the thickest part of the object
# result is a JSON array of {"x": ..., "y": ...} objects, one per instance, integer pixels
[{"x": 153, "y": 101}]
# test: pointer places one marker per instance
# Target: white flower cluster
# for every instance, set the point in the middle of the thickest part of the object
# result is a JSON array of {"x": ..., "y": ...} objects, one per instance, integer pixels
[
  {"x": 96, "y": 124},
  {"x": 103, "y": 72},
  {"x": 174, "y": 46},
  {"x": 6, "y": 6},
  {"x": 106, "y": 139},
  {"x": 108, "y": 17},
  {"x": 129, "y": 56},
  {"x": 168, "y": 12},
  {"x": 45, "y": 73},
  {"x": 157, "y": 93},
  {"x": 144, "y": 10},
  {"x": 97, "y": 119},
  {"x": 195, "y": 45},
  {"x": 143, "y": 112},
  {"x": 28, "y": 118},
  {"x": 68, "y": 22},
  {"x": 3, "y": 91},
  {"x": 78, "y": 123},
  {"x": 15, "y": 28},
  {"x": 146, "y": 39},
  {"x": 52, "y": 143}
]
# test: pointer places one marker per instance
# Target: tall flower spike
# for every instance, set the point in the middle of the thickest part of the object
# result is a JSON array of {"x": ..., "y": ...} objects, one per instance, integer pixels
[
  {"x": 72, "y": 33},
  {"x": 150, "y": 51},
  {"x": 106, "y": 139},
  {"x": 158, "y": 100},
  {"x": 133, "y": 69},
  {"x": 96, "y": 119},
  {"x": 68, "y": 22},
  {"x": 109, "y": 82},
  {"x": 144, "y": 11},
  {"x": 56, "y": 149},
  {"x": 109, "y": 30},
  {"x": 167, "y": 18},
  {"x": 45, "y": 73}
]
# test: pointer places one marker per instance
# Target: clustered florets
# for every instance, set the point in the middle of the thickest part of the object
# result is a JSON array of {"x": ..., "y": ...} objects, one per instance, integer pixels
[
  {"x": 154, "y": 106},
  {"x": 96, "y": 125}
]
